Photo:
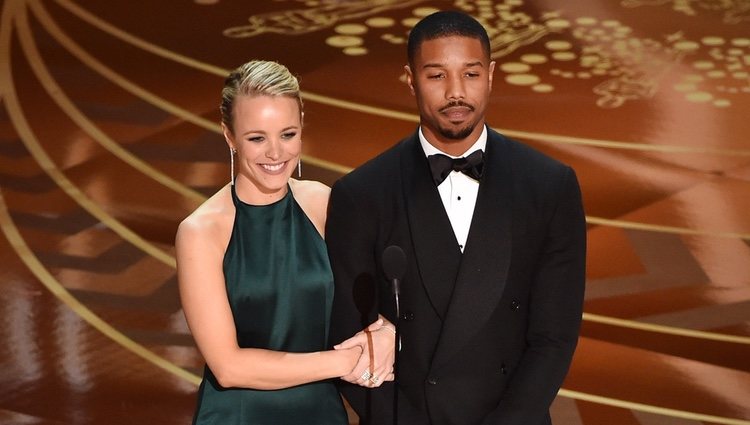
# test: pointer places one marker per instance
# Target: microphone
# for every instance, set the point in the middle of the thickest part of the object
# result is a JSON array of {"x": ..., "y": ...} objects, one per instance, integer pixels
[{"x": 394, "y": 267}]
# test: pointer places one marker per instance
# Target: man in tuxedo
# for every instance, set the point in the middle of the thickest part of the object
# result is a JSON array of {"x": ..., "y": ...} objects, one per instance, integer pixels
[{"x": 495, "y": 242}]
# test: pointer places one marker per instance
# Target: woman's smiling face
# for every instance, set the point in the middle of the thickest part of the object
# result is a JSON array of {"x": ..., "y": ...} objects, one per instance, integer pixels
[{"x": 267, "y": 136}]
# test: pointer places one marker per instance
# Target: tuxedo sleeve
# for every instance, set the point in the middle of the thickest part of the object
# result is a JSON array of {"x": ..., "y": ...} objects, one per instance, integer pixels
[
  {"x": 555, "y": 310},
  {"x": 350, "y": 236}
]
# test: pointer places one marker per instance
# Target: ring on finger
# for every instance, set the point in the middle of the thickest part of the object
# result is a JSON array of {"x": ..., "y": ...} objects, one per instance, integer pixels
[
  {"x": 366, "y": 375},
  {"x": 375, "y": 379}
]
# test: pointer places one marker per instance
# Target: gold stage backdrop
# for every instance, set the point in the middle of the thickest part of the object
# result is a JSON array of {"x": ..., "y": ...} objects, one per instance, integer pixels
[{"x": 109, "y": 136}]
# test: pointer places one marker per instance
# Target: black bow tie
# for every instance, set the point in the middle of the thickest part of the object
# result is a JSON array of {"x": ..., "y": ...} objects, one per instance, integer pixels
[{"x": 442, "y": 165}]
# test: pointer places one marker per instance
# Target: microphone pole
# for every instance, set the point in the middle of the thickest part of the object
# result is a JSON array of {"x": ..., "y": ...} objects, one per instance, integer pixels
[{"x": 394, "y": 267}]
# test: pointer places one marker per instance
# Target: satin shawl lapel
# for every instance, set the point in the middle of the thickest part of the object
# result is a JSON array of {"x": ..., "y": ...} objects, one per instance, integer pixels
[
  {"x": 486, "y": 258},
  {"x": 435, "y": 246}
]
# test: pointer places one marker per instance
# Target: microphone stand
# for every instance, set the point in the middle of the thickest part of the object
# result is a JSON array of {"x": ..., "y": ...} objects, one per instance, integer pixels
[
  {"x": 394, "y": 267},
  {"x": 397, "y": 347}
]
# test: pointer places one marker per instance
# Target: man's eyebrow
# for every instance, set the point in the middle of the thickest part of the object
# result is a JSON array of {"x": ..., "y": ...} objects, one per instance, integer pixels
[{"x": 467, "y": 65}]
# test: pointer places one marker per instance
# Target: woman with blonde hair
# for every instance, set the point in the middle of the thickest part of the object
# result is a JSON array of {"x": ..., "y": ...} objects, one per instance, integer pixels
[{"x": 255, "y": 282}]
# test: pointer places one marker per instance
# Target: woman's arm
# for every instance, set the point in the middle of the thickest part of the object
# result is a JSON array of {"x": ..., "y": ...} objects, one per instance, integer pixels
[{"x": 204, "y": 301}]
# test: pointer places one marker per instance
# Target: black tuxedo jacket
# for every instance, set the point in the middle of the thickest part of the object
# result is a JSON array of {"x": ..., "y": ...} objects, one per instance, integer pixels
[{"x": 487, "y": 334}]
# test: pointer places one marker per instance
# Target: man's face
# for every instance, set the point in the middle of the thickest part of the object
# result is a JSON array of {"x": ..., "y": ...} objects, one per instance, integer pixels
[{"x": 451, "y": 78}]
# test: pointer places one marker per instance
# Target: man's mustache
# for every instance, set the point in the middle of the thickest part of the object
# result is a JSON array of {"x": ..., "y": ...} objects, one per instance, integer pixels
[{"x": 457, "y": 104}]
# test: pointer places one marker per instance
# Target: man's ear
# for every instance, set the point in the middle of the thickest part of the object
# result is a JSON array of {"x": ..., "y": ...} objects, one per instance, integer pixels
[
  {"x": 409, "y": 78},
  {"x": 491, "y": 70}
]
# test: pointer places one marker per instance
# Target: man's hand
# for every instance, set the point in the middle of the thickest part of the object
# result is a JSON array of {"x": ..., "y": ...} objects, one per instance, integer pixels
[{"x": 375, "y": 365}]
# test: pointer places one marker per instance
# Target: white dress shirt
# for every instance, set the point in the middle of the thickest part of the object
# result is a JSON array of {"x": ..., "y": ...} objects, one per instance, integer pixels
[{"x": 459, "y": 191}]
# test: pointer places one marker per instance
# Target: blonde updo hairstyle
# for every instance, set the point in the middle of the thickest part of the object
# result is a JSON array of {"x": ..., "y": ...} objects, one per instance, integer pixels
[{"x": 257, "y": 78}]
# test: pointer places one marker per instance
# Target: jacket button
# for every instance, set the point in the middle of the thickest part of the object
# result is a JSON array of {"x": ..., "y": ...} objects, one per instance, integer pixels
[
  {"x": 408, "y": 316},
  {"x": 515, "y": 305},
  {"x": 432, "y": 380},
  {"x": 503, "y": 369}
]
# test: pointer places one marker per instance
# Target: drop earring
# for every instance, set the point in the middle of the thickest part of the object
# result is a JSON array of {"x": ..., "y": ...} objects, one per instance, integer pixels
[
  {"x": 299, "y": 168},
  {"x": 232, "y": 151}
]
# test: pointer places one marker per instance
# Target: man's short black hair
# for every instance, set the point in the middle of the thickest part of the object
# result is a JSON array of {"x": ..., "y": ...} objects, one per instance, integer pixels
[{"x": 445, "y": 24}]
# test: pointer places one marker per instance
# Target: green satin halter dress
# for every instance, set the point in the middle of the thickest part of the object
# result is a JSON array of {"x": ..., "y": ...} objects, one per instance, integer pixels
[{"x": 280, "y": 289}]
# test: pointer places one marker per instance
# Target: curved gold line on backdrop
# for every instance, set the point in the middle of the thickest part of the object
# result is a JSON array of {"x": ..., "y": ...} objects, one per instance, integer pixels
[
  {"x": 670, "y": 330},
  {"x": 640, "y": 407},
  {"x": 663, "y": 229}
]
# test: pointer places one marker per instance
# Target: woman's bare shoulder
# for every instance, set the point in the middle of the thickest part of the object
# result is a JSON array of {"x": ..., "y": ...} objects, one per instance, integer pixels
[
  {"x": 310, "y": 190},
  {"x": 312, "y": 196},
  {"x": 212, "y": 216}
]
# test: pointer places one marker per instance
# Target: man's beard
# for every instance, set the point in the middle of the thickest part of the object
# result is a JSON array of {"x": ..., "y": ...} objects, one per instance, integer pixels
[{"x": 457, "y": 134}]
